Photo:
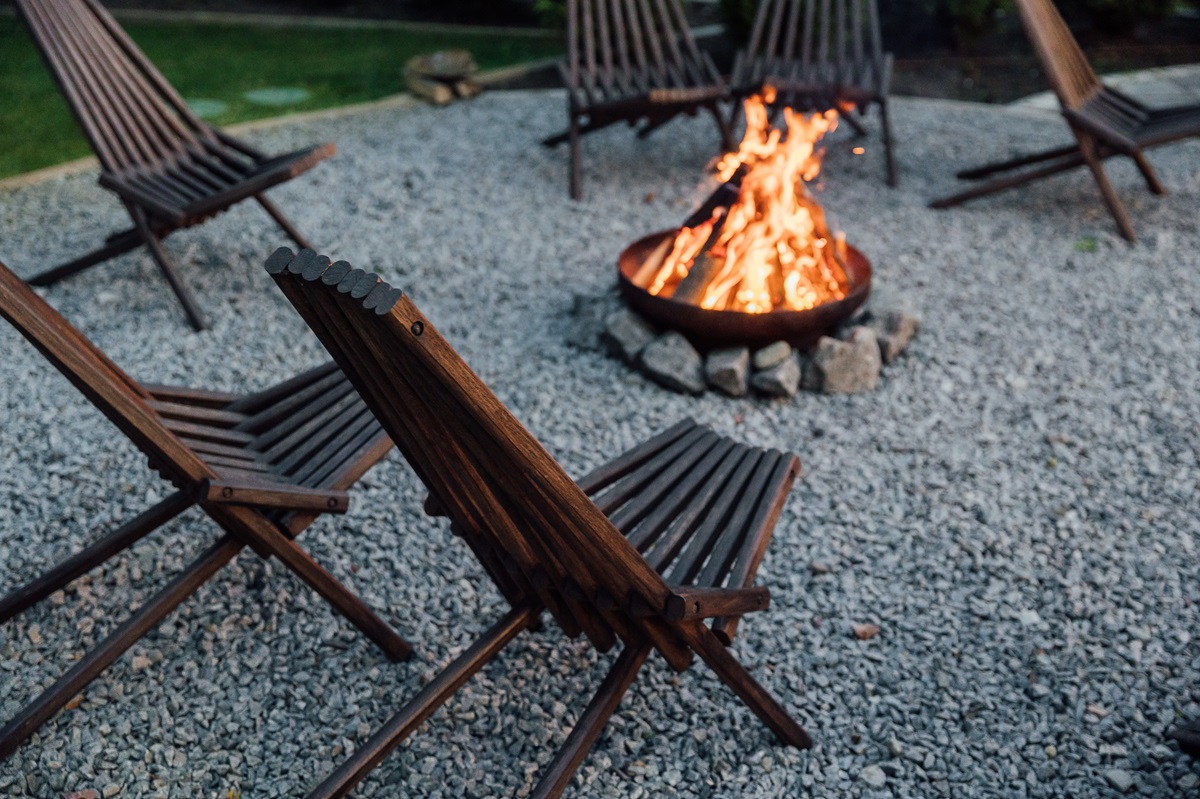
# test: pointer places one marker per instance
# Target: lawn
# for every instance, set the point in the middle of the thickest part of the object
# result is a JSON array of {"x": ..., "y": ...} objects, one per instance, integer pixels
[{"x": 220, "y": 62}]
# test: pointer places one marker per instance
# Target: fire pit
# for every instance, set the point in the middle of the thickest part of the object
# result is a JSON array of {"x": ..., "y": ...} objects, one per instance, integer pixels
[
  {"x": 756, "y": 262},
  {"x": 707, "y": 328}
]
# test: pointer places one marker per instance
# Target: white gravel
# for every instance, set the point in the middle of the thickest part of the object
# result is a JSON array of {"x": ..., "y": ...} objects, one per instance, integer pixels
[{"x": 1016, "y": 506}]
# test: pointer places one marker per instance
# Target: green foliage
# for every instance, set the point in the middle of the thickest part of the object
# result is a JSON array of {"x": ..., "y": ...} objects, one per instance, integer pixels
[
  {"x": 552, "y": 13},
  {"x": 222, "y": 62}
]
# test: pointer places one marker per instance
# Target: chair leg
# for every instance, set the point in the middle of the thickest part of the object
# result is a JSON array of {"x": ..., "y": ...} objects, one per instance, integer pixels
[
  {"x": 566, "y": 761},
  {"x": 114, "y": 245},
  {"x": 978, "y": 173},
  {"x": 256, "y": 530},
  {"x": 92, "y": 556},
  {"x": 1148, "y": 173},
  {"x": 142, "y": 224},
  {"x": 853, "y": 121},
  {"x": 727, "y": 142},
  {"x": 735, "y": 116},
  {"x": 1087, "y": 147},
  {"x": 435, "y": 694},
  {"x": 889, "y": 156},
  {"x": 576, "y": 177},
  {"x": 1072, "y": 161},
  {"x": 283, "y": 221},
  {"x": 147, "y": 617},
  {"x": 734, "y": 674}
]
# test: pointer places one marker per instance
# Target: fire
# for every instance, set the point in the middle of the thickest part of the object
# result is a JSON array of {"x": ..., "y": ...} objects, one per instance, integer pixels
[{"x": 770, "y": 248}]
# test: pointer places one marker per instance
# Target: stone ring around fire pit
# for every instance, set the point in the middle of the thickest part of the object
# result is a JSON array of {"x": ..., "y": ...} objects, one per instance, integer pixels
[{"x": 846, "y": 360}]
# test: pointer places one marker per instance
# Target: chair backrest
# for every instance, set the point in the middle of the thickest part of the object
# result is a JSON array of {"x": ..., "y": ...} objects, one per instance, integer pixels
[
  {"x": 1065, "y": 66},
  {"x": 129, "y": 112},
  {"x": 114, "y": 393},
  {"x": 631, "y": 46},
  {"x": 800, "y": 33},
  {"x": 482, "y": 467}
]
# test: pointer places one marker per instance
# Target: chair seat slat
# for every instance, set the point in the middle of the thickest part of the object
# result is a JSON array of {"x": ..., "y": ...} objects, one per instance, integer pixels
[
  {"x": 682, "y": 495},
  {"x": 633, "y": 482},
  {"x": 687, "y": 564},
  {"x": 652, "y": 494},
  {"x": 684, "y": 525}
]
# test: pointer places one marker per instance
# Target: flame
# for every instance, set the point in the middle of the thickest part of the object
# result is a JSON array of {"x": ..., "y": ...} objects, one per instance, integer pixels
[{"x": 772, "y": 247}]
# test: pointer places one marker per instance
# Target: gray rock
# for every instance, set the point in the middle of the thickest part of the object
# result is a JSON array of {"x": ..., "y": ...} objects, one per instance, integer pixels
[
  {"x": 728, "y": 370},
  {"x": 627, "y": 333},
  {"x": 847, "y": 367},
  {"x": 771, "y": 355},
  {"x": 873, "y": 776},
  {"x": 781, "y": 380},
  {"x": 588, "y": 315},
  {"x": 672, "y": 361},
  {"x": 894, "y": 330},
  {"x": 1120, "y": 779}
]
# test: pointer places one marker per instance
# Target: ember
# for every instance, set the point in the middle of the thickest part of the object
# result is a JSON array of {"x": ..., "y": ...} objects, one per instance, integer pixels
[{"x": 767, "y": 248}]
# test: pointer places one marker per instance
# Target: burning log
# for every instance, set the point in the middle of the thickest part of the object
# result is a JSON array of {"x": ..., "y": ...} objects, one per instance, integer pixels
[
  {"x": 691, "y": 289},
  {"x": 760, "y": 241}
]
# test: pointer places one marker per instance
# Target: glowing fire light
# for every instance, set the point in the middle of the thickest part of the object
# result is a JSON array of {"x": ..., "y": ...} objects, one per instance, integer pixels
[{"x": 772, "y": 247}]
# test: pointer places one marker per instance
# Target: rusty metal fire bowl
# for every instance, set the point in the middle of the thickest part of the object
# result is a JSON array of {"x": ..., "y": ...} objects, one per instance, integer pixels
[{"x": 707, "y": 328}]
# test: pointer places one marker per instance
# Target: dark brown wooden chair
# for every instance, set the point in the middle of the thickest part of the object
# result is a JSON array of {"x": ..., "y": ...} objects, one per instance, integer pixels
[
  {"x": 170, "y": 169},
  {"x": 1103, "y": 121},
  {"x": 633, "y": 61},
  {"x": 262, "y": 466},
  {"x": 818, "y": 55},
  {"x": 659, "y": 548}
]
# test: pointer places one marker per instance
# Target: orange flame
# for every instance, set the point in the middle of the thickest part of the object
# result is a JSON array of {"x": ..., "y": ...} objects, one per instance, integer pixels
[{"x": 773, "y": 249}]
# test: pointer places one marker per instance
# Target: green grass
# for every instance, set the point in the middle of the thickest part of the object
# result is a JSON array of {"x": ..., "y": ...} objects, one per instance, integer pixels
[{"x": 221, "y": 62}]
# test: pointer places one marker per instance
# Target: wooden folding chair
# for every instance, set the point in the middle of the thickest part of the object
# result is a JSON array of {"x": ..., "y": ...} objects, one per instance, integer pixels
[
  {"x": 633, "y": 61},
  {"x": 1104, "y": 122},
  {"x": 645, "y": 549},
  {"x": 170, "y": 169},
  {"x": 263, "y": 466},
  {"x": 819, "y": 55}
]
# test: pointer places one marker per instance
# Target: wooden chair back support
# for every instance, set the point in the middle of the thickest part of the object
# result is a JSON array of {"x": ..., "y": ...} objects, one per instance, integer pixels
[
  {"x": 1065, "y": 66},
  {"x": 129, "y": 112},
  {"x": 503, "y": 492},
  {"x": 117, "y": 395},
  {"x": 791, "y": 37},
  {"x": 632, "y": 46}
]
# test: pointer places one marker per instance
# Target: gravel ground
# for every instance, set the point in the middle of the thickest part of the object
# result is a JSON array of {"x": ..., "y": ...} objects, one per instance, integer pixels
[{"x": 1015, "y": 507}]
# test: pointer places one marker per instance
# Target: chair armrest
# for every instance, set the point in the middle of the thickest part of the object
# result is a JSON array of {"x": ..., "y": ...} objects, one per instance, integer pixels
[
  {"x": 273, "y": 495},
  {"x": 686, "y": 603}
]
